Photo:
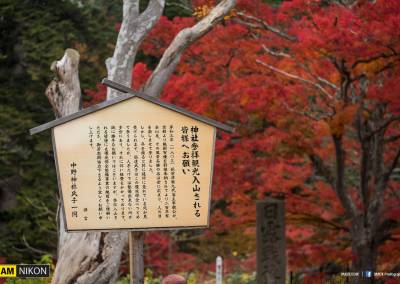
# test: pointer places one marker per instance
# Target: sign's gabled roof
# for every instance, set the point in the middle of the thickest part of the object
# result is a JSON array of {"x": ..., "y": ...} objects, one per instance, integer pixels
[{"x": 128, "y": 94}]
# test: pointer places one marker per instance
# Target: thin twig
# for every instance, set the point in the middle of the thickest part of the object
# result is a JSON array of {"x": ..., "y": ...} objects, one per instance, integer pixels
[
  {"x": 266, "y": 26},
  {"x": 325, "y": 81},
  {"x": 303, "y": 113},
  {"x": 305, "y": 68},
  {"x": 292, "y": 76},
  {"x": 180, "y": 5},
  {"x": 276, "y": 53},
  {"x": 384, "y": 125},
  {"x": 392, "y": 166},
  {"x": 392, "y": 138},
  {"x": 32, "y": 248}
]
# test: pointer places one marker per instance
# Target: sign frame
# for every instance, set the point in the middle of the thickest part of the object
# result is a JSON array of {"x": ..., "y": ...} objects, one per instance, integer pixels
[
  {"x": 131, "y": 94},
  {"x": 143, "y": 229},
  {"x": 128, "y": 94}
]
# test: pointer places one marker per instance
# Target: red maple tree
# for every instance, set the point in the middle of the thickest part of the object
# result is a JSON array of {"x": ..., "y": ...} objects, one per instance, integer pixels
[{"x": 312, "y": 87}]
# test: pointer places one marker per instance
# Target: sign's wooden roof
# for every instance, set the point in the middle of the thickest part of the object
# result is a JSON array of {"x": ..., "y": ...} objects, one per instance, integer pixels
[{"x": 128, "y": 94}]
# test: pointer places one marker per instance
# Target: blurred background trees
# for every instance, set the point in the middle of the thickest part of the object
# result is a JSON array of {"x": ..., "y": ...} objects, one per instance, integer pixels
[
  {"x": 268, "y": 69},
  {"x": 33, "y": 34}
]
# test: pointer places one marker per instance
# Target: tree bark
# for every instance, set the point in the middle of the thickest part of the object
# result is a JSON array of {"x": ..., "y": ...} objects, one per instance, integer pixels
[
  {"x": 365, "y": 249},
  {"x": 136, "y": 254},
  {"x": 64, "y": 91},
  {"x": 134, "y": 29},
  {"x": 82, "y": 257},
  {"x": 94, "y": 257},
  {"x": 180, "y": 43}
]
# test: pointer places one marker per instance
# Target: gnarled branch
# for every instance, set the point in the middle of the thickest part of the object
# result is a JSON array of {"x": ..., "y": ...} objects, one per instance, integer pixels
[
  {"x": 134, "y": 29},
  {"x": 64, "y": 92},
  {"x": 183, "y": 40}
]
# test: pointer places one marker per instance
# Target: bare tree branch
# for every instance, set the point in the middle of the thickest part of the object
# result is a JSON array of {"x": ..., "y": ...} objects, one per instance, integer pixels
[
  {"x": 292, "y": 76},
  {"x": 318, "y": 220},
  {"x": 28, "y": 246},
  {"x": 373, "y": 58},
  {"x": 130, "y": 9},
  {"x": 325, "y": 81},
  {"x": 340, "y": 187},
  {"x": 302, "y": 113},
  {"x": 392, "y": 138},
  {"x": 152, "y": 13},
  {"x": 391, "y": 168},
  {"x": 305, "y": 68},
  {"x": 384, "y": 125},
  {"x": 64, "y": 92},
  {"x": 322, "y": 169},
  {"x": 43, "y": 208},
  {"x": 318, "y": 78},
  {"x": 180, "y": 5},
  {"x": 134, "y": 29},
  {"x": 394, "y": 191},
  {"x": 183, "y": 40},
  {"x": 262, "y": 24},
  {"x": 276, "y": 53}
]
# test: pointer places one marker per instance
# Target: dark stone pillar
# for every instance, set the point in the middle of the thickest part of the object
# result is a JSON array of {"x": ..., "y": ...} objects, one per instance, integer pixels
[{"x": 271, "y": 249}]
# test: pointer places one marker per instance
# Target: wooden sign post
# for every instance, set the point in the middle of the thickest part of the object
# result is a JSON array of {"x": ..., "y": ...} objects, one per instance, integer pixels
[
  {"x": 134, "y": 163},
  {"x": 271, "y": 252}
]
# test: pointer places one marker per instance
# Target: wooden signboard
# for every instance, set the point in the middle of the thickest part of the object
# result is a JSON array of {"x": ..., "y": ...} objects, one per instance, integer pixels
[{"x": 134, "y": 163}]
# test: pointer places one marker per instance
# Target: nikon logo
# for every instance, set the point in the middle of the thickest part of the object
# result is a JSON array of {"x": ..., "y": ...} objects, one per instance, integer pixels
[{"x": 24, "y": 270}]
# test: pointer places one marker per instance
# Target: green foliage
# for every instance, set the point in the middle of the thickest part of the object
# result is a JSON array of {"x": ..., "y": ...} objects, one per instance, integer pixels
[
  {"x": 241, "y": 278},
  {"x": 178, "y": 8},
  {"x": 28, "y": 281},
  {"x": 149, "y": 278},
  {"x": 33, "y": 34},
  {"x": 273, "y": 2},
  {"x": 236, "y": 277}
]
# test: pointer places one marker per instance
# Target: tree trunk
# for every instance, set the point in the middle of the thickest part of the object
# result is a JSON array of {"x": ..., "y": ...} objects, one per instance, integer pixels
[
  {"x": 136, "y": 255},
  {"x": 94, "y": 257},
  {"x": 365, "y": 260},
  {"x": 82, "y": 257},
  {"x": 365, "y": 249}
]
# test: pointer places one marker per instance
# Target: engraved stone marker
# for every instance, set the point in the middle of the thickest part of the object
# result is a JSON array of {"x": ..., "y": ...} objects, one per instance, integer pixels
[{"x": 271, "y": 255}]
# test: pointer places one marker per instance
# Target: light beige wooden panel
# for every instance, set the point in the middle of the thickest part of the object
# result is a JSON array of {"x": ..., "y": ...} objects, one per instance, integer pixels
[{"x": 135, "y": 165}]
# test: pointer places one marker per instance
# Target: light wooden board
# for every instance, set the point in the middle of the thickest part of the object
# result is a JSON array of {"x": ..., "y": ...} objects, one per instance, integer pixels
[{"x": 172, "y": 191}]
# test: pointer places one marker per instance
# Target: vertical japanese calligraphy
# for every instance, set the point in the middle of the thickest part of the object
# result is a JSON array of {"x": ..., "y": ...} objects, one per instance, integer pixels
[
  {"x": 114, "y": 203},
  {"x": 135, "y": 173},
  {"x": 106, "y": 172},
  {"x": 190, "y": 162},
  {"x": 121, "y": 157},
  {"x": 133, "y": 166},
  {"x": 271, "y": 257},
  {"x": 99, "y": 174},
  {"x": 129, "y": 170},
  {"x": 74, "y": 195},
  {"x": 185, "y": 148},
  {"x": 172, "y": 169},
  {"x": 195, "y": 169}
]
